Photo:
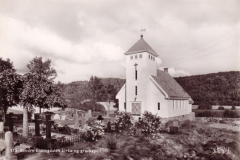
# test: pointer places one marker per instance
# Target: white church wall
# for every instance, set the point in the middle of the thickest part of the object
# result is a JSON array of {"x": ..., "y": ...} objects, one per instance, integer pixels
[
  {"x": 178, "y": 107},
  {"x": 155, "y": 97},
  {"x": 121, "y": 99}
]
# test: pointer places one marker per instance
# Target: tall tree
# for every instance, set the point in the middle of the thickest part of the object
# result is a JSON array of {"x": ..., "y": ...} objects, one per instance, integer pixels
[
  {"x": 110, "y": 93},
  {"x": 4, "y": 65},
  {"x": 96, "y": 89},
  {"x": 11, "y": 86},
  {"x": 10, "y": 89},
  {"x": 39, "y": 89}
]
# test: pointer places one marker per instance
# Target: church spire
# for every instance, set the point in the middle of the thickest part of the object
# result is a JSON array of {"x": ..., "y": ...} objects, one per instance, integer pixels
[{"x": 142, "y": 31}]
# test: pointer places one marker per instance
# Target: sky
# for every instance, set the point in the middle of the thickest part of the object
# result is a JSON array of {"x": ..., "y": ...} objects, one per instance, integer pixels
[{"x": 89, "y": 37}]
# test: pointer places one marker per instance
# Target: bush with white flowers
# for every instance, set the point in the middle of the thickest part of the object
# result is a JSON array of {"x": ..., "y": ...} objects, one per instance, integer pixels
[
  {"x": 124, "y": 121},
  {"x": 149, "y": 123},
  {"x": 95, "y": 130}
]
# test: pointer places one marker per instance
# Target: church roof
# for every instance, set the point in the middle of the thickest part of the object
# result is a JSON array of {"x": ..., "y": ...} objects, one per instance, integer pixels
[
  {"x": 141, "y": 46},
  {"x": 170, "y": 85}
]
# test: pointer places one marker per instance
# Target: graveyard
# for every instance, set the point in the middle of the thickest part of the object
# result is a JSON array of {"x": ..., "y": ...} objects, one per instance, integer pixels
[{"x": 79, "y": 135}]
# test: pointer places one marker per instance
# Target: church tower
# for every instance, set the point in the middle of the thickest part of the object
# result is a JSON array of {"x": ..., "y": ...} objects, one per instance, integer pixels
[{"x": 141, "y": 63}]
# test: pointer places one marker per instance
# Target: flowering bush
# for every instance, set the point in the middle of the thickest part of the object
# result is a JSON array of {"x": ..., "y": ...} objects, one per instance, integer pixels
[
  {"x": 124, "y": 121},
  {"x": 149, "y": 124},
  {"x": 94, "y": 131}
]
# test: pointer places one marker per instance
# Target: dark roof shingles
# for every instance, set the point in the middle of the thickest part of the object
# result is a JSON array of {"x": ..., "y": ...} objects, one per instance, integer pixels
[
  {"x": 170, "y": 85},
  {"x": 141, "y": 46}
]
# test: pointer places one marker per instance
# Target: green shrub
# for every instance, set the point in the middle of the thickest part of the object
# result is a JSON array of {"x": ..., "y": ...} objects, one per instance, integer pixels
[
  {"x": 230, "y": 114},
  {"x": 204, "y": 106},
  {"x": 208, "y": 114},
  {"x": 124, "y": 121},
  {"x": 149, "y": 123},
  {"x": 94, "y": 131},
  {"x": 221, "y": 108}
]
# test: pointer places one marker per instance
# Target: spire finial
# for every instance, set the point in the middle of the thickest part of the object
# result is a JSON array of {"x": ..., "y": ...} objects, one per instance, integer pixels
[{"x": 142, "y": 31}]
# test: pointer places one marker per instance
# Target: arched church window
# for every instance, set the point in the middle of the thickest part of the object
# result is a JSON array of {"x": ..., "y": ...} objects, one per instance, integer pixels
[
  {"x": 131, "y": 57},
  {"x": 136, "y": 56},
  {"x": 140, "y": 56}
]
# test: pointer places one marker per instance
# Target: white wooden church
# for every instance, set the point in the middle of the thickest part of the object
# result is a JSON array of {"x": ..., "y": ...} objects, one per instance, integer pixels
[{"x": 150, "y": 89}]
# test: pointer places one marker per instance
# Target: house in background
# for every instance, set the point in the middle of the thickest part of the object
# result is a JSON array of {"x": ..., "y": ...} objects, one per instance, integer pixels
[{"x": 150, "y": 89}]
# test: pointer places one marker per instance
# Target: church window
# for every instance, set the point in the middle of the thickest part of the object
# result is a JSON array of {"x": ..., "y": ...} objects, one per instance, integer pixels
[
  {"x": 140, "y": 56},
  {"x": 136, "y": 109},
  {"x": 135, "y": 90},
  {"x": 136, "y": 56},
  {"x": 154, "y": 58},
  {"x": 158, "y": 106},
  {"x": 149, "y": 56},
  {"x": 173, "y": 105},
  {"x": 135, "y": 74},
  {"x": 124, "y": 105},
  {"x": 131, "y": 57}
]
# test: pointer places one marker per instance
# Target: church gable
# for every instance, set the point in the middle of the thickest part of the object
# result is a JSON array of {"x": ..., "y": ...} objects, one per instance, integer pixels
[
  {"x": 170, "y": 85},
  {"x": 141, "y": 46}
]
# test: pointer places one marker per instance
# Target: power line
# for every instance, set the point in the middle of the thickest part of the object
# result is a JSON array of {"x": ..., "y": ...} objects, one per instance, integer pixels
[
  {"x": 207, "y": 54},
  {"x": 206, "y": 42},
  {"x": 205, "y": 48}
]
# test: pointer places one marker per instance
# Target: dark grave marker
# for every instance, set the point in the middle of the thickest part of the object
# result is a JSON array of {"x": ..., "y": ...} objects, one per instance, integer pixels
[
  {"x": 49, "y": 123},
  {"x": 173, "y": 129},
  {"x": 138, "y": 132},
  {"x": 37, "y": 124},
  {"x": 10, "y": 121},
  {"x": 109, "y": 125}
]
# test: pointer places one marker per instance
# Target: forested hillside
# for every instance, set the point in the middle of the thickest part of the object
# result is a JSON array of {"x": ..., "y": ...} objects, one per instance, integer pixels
[
  {"x": 80, "y": 90},
  {"x": 217, "y": 88}
]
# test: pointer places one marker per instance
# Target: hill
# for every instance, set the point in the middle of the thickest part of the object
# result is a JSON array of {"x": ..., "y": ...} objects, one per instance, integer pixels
[
  {"x": 221, "y": 88},
  {"x": 79, "y": 90},
  {"x": 216, "y": 88}
]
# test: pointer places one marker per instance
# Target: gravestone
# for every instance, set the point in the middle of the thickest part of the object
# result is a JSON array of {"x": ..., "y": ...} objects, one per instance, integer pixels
[
  {"x": 56, "y": 116},
  {"x": 37, "y": 124},
  {"x": 49, "y": 123},
  {"x": 63, "y": 117},
  {"x": 76, "y": 123},
  {"x": 90, "y": 113},
  {"x": 173, "y": 129},
  {"x": 109, "y": 125},
  {"x": 138, "y": 132},
  {"x": 83, "y": 121},
  {"x": 10, "y": 121},
  {"x": 9, "y": 155},
  {"x": 176, "y": 123}
]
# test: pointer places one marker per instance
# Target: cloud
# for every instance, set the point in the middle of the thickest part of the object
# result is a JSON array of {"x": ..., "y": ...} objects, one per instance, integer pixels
[
  {"x": 86, "y": 37},
  {"x": 177, "y": 72},
  {"x": 18, "y": 38}
]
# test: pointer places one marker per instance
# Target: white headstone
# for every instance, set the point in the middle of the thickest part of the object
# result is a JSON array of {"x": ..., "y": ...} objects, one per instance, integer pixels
[
  {"x": 56, "y": 116},
  {"x": 1, "y": 126},
  {"x": 63, "y": 117},
  {"x": 9, "y": 155},
  {"x": 90, "y": 113}
]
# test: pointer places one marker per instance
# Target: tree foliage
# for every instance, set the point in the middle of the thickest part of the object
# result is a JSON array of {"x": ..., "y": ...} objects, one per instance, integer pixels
[
  {"x": 38, "y": 88},
  {"x": 6, "y": 64},
  {"x": 217, "y": 88},
  {"x": 96, "y": 89},
  {"x": 11, "y": 85}
]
